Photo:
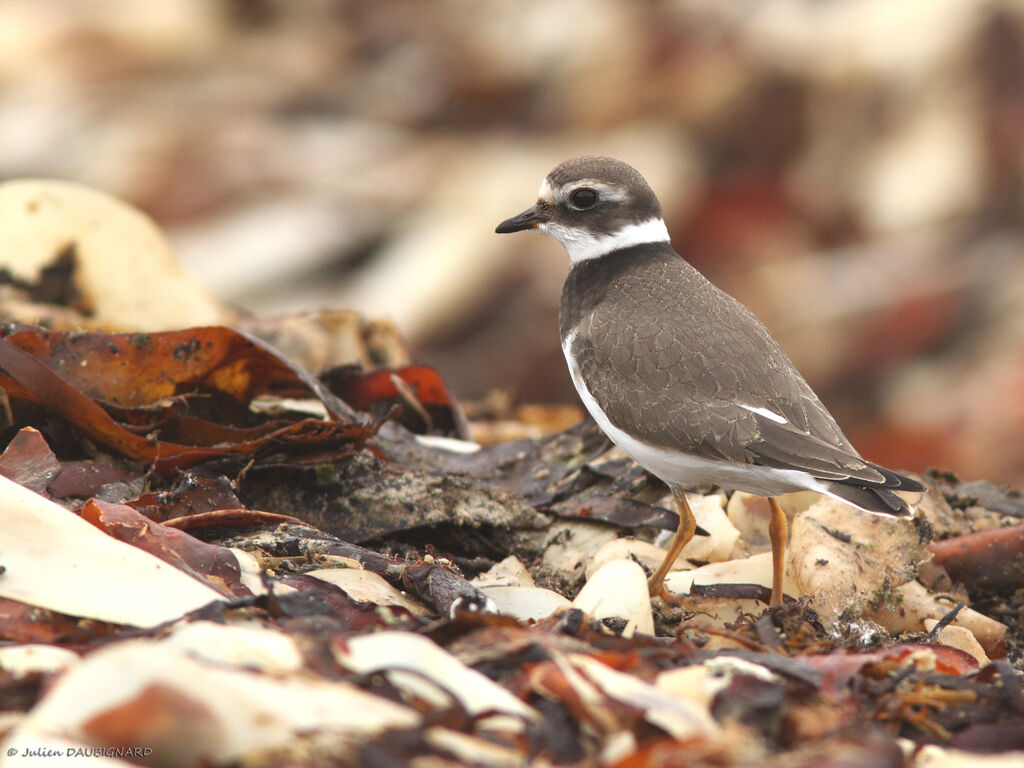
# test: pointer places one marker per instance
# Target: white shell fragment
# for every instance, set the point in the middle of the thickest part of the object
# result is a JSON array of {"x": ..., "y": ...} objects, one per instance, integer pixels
[
  {"x": 934, "y": 756},
  {"x": 510, "y": 572},
  {"x": 472, "y": 750},
  {"x": 569, "y": 544},
  {"x": 750, "y": 514},
  {"x": 252, "y": 647},
  {"x": 699, "y": 684},
  {"x": 756, "y": 569},
  {"x": 718, "y": 545},
  {"x": 680, "y": 717},
  {"x": 619, "y": 590},
  {"x": 368, "y": 587},
  {"x": 960, "y": 638},
  {"x": 709, "y": 511},
  {"x": 914, "y": 605},
  {"x": 125, "y": 269},
  {"x": 416, "y": 664},
  {"x": 450, "y": 444},
  {"x": 195, "y": 713},
  {"x": 56, "y": 560},
  {"x": 35, "y": 658},
  {"x": 629, "y": 548},
  {"x": 249, "y": 572},
  {"x": 694, "y": 683},
  {"x": 510, "y": 588},
  {"x": 526, "y": 603}
]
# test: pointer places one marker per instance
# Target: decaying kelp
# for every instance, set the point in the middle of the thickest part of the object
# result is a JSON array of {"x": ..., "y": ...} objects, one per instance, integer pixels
[{"x": 252, "y": 571}]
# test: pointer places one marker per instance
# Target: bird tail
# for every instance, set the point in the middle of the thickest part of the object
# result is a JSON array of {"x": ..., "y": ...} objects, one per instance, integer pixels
[{"x": 877, "y": 498}]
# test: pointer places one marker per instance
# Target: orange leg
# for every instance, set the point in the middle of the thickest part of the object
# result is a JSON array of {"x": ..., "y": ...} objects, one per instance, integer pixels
[
  {"x": 778, "y": 530},
  {"x": 687, "y": 526}
]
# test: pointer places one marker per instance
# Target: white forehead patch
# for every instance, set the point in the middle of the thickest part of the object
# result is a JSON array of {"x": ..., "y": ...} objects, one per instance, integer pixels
[
  {"x": 546, "y": 192},
  {"x": 582, "y": 244}
]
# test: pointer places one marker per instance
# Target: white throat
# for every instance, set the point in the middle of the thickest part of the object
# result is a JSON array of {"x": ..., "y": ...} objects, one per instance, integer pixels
[{"x": 582, "y": 244}]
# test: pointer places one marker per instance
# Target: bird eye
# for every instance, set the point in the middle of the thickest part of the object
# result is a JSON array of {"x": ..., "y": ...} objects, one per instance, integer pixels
[{"x": 583, "y": 197}]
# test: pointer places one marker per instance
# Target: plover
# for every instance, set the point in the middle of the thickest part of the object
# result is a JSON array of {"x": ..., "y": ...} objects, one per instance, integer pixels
[{"x": 680, "y": 375}]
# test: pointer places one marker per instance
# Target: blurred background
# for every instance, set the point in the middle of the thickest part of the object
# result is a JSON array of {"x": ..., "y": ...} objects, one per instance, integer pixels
[{"x": 850, "y": 170}]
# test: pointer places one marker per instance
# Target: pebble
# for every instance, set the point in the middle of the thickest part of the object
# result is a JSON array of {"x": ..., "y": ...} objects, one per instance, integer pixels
[{"x": 618, "y": 590}]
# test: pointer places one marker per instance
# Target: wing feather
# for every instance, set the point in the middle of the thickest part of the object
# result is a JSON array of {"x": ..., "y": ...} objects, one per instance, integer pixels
[{"x": 681, "y": 379}]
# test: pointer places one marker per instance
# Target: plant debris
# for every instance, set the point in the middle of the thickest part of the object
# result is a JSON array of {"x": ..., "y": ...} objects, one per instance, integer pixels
[{"x": 246, "y": 581}]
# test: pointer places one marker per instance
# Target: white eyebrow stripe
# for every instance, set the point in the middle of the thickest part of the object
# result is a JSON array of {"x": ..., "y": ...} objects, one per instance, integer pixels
[
  {"x": 614, "y": 193},
  {"x": 561, "y": 194},
  {"x": 605, "y": 191},
  {"x": 768, "y": 414}
]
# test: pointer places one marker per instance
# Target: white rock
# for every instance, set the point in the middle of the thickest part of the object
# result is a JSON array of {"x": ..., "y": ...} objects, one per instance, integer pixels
[
  {"x": 258, "y": 244},
  {"x": 510, "y": 572},
  {"x": 881, "y": 552},
  {"x": 124, "y": 266},
  {"x": 473, "y": 750},
  {"x": 934, "y": 756},
  {"x": 252, "y": 647},
  {"x": 618, "y": 590},
  {"x": 617, "y": 747},
  {"x": 756, "y": 569},
  {"x": 56, "y": 560},
  {"x": 749, "y": 514},
  {"x": 197, "y": 713},
  {"x": 526, "y": 603},
  {"x": 915, "y": 605},
  {"x": 960, "y": 638},
  {"x": 709, "y": 511},
  {"x": 628, "y": 548},
  {"x": 417, "y": 664},
  {"x": 681, "y": 718},
  {"x": 35, "y": 658},
  {"x": 699, "y": 684},
  {"x": 250, "y": 572},
  {"x": 694, "y": 683},
  {"x": 450, "y": 444},
  {"x": 366, "y": 586},
  {"x": 570, "y": 544}
]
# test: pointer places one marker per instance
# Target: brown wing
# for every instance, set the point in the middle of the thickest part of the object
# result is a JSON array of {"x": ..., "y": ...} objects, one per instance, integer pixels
[{"x": 679, "y": 377}]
